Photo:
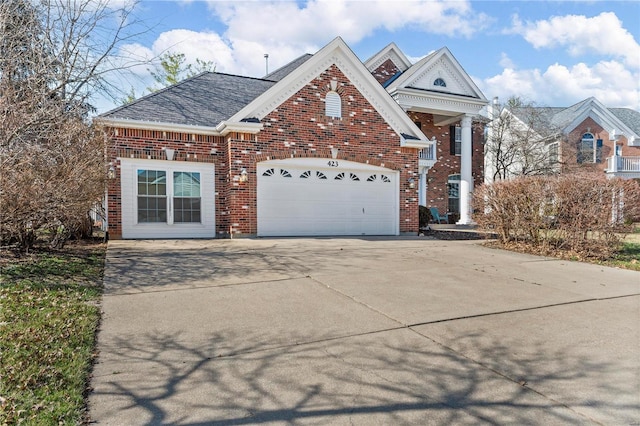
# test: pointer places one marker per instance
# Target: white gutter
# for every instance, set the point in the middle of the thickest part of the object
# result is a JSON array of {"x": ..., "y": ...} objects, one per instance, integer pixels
[{"x": 155, "y": 125}]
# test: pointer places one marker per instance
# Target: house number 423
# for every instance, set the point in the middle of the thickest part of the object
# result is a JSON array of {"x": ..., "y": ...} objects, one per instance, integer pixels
[{"x": 332, "y": 163}]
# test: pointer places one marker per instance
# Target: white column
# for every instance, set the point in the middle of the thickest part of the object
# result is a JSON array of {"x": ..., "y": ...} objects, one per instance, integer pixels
[
  {"x": 466, "y": 175},
  {"x": 422, "y": 187}
]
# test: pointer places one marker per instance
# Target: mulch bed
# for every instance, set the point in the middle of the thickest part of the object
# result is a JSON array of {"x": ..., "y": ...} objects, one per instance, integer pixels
[{"x": 457, "y": 235}]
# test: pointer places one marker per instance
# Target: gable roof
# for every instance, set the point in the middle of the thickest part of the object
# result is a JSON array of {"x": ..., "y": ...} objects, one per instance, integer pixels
[
  {"x": 283, "y": 71},
  {"x": 204, "y": 100},
  {"x": 335, "y": 53},
  {"x": 415, "y": 88},
  {"x": 389, "y": 52},
  {"x": 439, "y": 64},
  {"x": 623, "y": 120}
]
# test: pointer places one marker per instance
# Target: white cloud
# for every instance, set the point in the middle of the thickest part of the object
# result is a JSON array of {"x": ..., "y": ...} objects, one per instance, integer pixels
[
  {"x": 318, "y": 21},
  {"x": 580, "y": 35},
  {"x": 207, "y": 46},
  {"x": 505, "y": 61},
  {"x": 286, "y": 30},
  {"x": 559, "y": 85}
]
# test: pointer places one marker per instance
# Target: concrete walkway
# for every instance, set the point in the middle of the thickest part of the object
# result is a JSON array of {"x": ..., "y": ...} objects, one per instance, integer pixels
[{"x": 362, "y": 331}]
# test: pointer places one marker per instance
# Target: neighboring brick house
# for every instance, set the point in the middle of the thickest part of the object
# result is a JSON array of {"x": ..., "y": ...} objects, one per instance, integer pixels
[
  {"x": 586, "y": 135},
  {"x": 318, "y": 147}
]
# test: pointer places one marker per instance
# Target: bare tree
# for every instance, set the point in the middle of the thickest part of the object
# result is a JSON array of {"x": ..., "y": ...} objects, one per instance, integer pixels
[
  {"x": 521, "y": 141},
  {"x": 55, "y": 55}
]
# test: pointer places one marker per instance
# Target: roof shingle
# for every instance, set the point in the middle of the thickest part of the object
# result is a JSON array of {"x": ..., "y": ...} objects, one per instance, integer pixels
[{"x": 203, "y": 100}]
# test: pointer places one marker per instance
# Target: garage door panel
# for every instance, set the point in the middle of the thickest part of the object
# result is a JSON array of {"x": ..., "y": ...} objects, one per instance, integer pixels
[{"x": 306, "y": 204}]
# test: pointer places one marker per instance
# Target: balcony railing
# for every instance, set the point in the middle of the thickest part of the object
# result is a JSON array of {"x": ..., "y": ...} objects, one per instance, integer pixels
[
  {"x": 623, "y": 164},
  {"x": 428, "y": 153}
]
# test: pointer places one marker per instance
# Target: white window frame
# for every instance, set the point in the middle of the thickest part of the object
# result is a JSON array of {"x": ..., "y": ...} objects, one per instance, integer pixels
[{"x": 583, "y": 153}]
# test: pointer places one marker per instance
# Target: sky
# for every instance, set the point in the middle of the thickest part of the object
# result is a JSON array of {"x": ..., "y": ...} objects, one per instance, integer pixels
[{"x": 552, "y": 53}]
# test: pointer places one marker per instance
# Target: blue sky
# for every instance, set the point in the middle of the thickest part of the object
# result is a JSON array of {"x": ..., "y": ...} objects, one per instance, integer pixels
[{"x": 554, "y": 53}]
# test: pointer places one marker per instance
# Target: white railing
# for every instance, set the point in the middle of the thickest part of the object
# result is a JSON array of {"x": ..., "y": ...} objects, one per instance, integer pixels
[
  {"x": 428, "y": 153},
  {"x": 623, "y": 164}
]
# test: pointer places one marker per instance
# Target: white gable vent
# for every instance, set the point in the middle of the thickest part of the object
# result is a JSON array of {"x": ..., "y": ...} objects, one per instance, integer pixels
[{"x": 333, "y": 105}]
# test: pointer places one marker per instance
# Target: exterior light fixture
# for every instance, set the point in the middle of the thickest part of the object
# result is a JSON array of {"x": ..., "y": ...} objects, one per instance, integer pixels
[
  {"x": 334, "y": 153},
  {"x": 244, "y": 176},
  {"x": 412, "y": 183},
  {"x": 169, "y": 152},
  {"x": 111, "y": 173}
]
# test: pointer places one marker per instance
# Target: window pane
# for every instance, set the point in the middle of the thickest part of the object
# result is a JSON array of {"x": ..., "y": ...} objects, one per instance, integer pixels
[
  {"x": 152, "y": 209},
  {"x": 186, "y": 184},
  {"x": 458, "y": 141},
  {"x": 152, "y": 182},
  {"x": 186, "y": 210}
]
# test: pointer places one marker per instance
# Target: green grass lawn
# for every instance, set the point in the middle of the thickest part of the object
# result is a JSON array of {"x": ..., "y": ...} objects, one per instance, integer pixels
[
  {"x": 49, "y": 315},
  {"x": 628, "y": 257}
]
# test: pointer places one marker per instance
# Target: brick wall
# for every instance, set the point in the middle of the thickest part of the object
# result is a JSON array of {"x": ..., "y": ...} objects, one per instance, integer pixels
[
  {"x": 149, "y": 144},
  {"x": 590, "y": 126},
  {"x": 299, "y": 128},
  {"x": 385, "y": 71},
  {"x": 448, "y": 164}
]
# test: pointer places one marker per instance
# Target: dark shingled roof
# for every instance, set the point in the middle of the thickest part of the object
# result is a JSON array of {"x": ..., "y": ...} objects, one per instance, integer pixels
[
  {"x": 284, "y": 71},
  {"x": 204, "y": 100}
]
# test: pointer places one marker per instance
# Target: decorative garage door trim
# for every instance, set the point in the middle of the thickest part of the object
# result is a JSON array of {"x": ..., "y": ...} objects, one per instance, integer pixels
[
  {"x": 321, "y": 196},
  {"x": 167, "y": 199}
]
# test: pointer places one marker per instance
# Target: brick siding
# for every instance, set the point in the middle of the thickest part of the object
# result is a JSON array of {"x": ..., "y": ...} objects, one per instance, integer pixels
[
  {"x": 297, "y": 128},
  {"x": 448, "y": 164}
]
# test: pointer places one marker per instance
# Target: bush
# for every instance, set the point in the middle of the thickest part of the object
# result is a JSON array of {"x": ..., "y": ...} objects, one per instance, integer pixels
[
  {"x": 424, "y": 217},
  {"x": 580, "y": 213}
]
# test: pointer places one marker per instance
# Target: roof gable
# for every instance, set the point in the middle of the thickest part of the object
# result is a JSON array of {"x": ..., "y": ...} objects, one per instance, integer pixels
[
  {"x": 442, "y": 65},
  {"x": 390, "y": 52},
  {"x": 571, "y": 117},
  {"x": 339, "y": 54}
]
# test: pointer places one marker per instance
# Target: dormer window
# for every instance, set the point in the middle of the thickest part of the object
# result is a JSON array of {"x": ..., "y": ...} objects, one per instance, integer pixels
[
  {"x": 333, "y": 105},
  {"x": 439, "y": 82}
]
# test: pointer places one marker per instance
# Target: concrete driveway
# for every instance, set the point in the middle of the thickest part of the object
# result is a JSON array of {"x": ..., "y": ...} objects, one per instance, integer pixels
[{"x": 362, "y": 331}]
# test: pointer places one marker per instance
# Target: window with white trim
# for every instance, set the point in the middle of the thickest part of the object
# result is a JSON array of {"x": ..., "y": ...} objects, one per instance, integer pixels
[
  {"x": 458, "y": 140},
  {"x": 152, "y": 196},
  {"x": 453, "y": 192},
  {"x": 333, "y": 105},
  {"x": 169, "y": 197},
  {"x": 187, "y": 204},
  {"x": 589, "y": 149}
]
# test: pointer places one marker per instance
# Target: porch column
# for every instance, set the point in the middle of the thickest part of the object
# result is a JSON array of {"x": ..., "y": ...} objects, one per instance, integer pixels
[
  {"x": 466, "y": 175},
  {"x": 422, "y": 196}
]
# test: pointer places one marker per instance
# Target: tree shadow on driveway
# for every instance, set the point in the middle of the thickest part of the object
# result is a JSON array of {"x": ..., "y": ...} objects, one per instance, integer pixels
[{"x": 391, "y": 377}]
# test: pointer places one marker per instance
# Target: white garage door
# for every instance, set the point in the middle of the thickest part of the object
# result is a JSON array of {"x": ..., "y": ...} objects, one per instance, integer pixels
[
  {"x": 167, "y": 199},
  {"x": 315, "y": 196}
]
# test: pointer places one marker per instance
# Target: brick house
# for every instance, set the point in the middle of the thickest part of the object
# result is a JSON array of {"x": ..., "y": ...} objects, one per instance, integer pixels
[
  {"x": 326, "y": 145},
  {"x": 584, "y": 136}
]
